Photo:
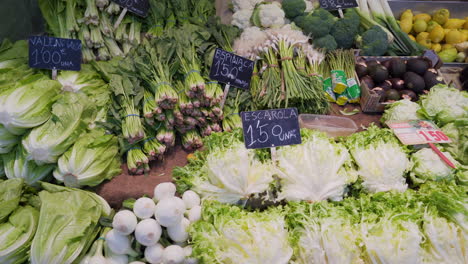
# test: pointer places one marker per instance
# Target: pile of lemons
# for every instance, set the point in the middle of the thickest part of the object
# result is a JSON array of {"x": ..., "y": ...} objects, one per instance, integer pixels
[{"x": 438, "y": 32}]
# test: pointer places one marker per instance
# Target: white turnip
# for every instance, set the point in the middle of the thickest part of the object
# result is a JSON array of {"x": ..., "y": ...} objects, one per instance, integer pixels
[
  {"x": 169, "y": 211},
  {"x": 194, "y": 214},
  {"x": 148, "y": 232},
  {"x": 124, "y": 222},
  {"x": 154, "y": 254},
  {"x": 144, "y": 208},
  {"x": 164, "y": 190},
  {"x": 191, "y": 199},
  {"x": 173, "y": 255},
  {"x": 178, "y": 233}
]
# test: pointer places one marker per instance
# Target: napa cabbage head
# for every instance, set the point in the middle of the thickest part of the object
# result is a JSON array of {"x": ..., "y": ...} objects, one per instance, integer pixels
[
  {"x": 17, "y": 234},
  {"x": 382, "y": 162},
  {"x": 401, "y": 110},
  {"x": 427, "y": 165},
  {"x": 7, "y": 140},
  {"x": 444, "y": 104},
  {"x": 228, "y": 234},
  {"x": 28, "y": 105},
  {"x": 10, "y": 196},
  {"x": 86, "y": 81},
  {"x": 92, "y": 159},
  {"x": 71, "y": 115},
  {"x": 323, "y": 233},
  {"x": 18, "y": 166},
  {"x": 315, "y": 170},
  {"x": 233, "y": 174},
  {"x": 68, "y": 224}
]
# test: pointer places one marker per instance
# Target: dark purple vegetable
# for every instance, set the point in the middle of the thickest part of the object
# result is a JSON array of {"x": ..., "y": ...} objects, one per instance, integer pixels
[
  {"x": 408, "y": 94},
  {"x": 372, "y": 63},
  {"x": 386, "y": 63},
  {"x": 431, "y": 78},
  {"x": 392, "y": 95},
  {"x": 397, "y": 84},
  {"x": 361, "y": 70},
  {"x": 368, "y": 81},
  {"x": 414, "y": 82},
  {"x": 418, "y": 66},
  {"x": 397, "y": 68},
  {"x": 378, "y": 73},
  {"x": 386, "y": 85}
]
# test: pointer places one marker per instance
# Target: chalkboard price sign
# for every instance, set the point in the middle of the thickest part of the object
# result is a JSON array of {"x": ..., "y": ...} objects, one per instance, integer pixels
[
  {"x": 54, "y": 53},
  {"x": 271, "y": 128},
  {"x": 231, "y": 69},
  {"x": 138, "y": 7},
  {"x": 338, "y": 4}
]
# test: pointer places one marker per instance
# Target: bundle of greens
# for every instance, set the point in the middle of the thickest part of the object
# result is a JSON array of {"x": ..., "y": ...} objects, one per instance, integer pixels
[
  {"x": 344, "y": 88},
  {"x": 282, "y": 80},
  {"x": 92, "y": 22}
]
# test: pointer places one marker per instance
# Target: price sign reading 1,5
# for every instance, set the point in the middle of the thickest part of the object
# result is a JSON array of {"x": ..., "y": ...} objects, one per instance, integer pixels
[
  {"x": 138, "y": 7},
  {"x": 231, "y": 69},
  {"x": 271, "y": 128},
  {"x": 434, "y": 136}
]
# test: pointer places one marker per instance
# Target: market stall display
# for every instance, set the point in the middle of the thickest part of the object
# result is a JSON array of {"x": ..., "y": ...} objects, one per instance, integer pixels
[{"x": 151, "y": 151}]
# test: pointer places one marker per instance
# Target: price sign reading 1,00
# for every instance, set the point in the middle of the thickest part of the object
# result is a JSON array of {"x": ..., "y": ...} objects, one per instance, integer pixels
[
  {"x": 271, "y": 128},
  {"x": 54, "y": 53},
  {"x": 435, "y": 136}
]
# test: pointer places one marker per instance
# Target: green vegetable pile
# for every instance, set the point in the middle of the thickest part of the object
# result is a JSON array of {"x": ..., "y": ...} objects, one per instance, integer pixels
[
  {"x": 93, "y": 21},
  {"x": 448, "y": 108},
  {"x": 56, "y": 225},
  {"x": 42, "y": 119}
]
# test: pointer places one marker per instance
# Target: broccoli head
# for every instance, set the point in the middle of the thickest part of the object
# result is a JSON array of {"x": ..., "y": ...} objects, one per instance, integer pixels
[
  {"x": 316, "y": 24},
  {"x": 345, "y": 30},
  {"x": 326, "y": 43},
  {"x": 373, "y": 42},
  {"x": 353, "y": 19},
  {"x": 293, "y": 8}
]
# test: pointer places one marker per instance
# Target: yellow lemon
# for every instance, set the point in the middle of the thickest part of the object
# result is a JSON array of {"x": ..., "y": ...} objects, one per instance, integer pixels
[
  {"x": 454, "y": 37},
  {"x": 422, "y": 36},
  {"x": 423, "y": 16},
  {"x": 436, "y": 47},
  {"x": 447, "y": 46},
  {"x": 419, "y": 26},
  {"x": 437, "y": 34},
  {"x": 412, "y": 38}
]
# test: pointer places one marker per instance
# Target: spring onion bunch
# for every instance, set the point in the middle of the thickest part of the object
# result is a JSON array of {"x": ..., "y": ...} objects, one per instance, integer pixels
[
  {"x": 137, "y": 161},
  {"x": 132, "y": 128}
]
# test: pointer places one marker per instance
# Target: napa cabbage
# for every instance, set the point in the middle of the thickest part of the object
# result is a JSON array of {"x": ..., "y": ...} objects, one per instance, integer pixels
[
  {"x": 92, "y": 159},
  {"x": 71, "y": 115},
  {"x": 18, "y": 166},
  {"x": 28, "y": 105},
  {"x": 17, "y": 234}
]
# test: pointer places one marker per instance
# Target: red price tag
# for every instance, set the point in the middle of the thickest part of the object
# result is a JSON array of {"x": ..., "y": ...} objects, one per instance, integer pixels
[{"x": 433, "y": 136}]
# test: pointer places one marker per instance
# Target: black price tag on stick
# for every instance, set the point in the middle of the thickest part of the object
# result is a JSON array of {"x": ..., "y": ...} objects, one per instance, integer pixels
[
  {"x": 54, "y": 53},
  {"x": 271, "y": 128},
  {"x": 231, "y": 69},
  {"x": 338, "y": 4},
  {"x": 138, "y": 7}
]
